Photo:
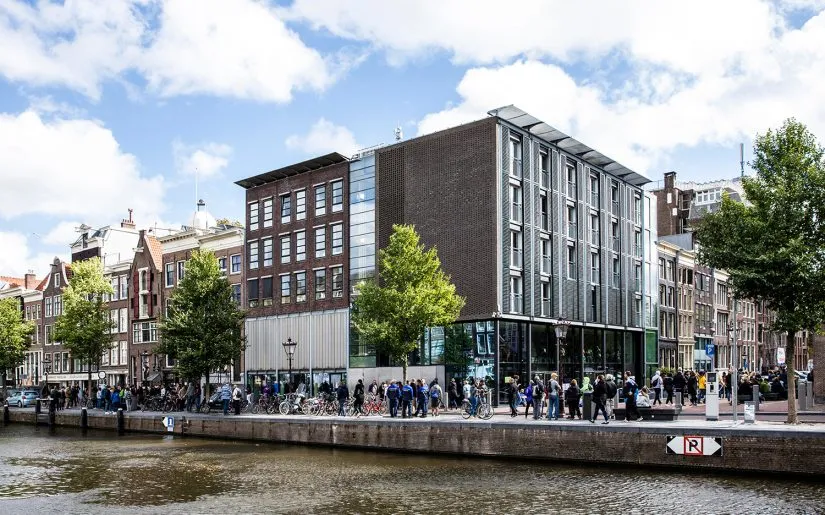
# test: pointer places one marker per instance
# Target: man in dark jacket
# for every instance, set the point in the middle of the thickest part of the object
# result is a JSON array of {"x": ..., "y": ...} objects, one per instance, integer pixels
[
  {"x": 679, "y": 385},
  {"x": 600, "y": 399},
  {"x": 630, "y": 390},
  {"x": 343, "y": 397},
  {"x": 406, "y": 400},
  {"x": 393, "y": 394}
]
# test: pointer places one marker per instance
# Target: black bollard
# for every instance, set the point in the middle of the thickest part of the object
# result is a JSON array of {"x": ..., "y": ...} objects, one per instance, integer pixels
[
  {"x": 52, "y": 416},
  {"x": 84, "y": 418},
  {"x": 121, "y": 422},
  {"x": 36, "y": 408},
  {"x": 6, "y": 419}
]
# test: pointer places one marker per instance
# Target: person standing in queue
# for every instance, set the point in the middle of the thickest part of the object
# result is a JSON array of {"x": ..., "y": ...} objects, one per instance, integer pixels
[
  {"x": 406, "y": 400},
  {"x": 393, "y": 394},
  {"x": 226, "y": 395},
  {"x": 343, "y": 396}
]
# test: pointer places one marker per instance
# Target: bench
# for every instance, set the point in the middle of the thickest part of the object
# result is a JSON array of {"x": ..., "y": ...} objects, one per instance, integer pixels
[{"x": 668, "y": 414}]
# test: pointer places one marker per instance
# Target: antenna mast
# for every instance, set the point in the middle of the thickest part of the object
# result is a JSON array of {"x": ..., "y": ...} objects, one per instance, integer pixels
[{"x": 742, "y": 160}]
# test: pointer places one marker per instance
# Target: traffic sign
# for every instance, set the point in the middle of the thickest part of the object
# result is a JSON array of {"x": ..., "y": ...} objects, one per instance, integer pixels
[
  {"x": 694, "y": 445},
  {"x": 710, "y": 349}
]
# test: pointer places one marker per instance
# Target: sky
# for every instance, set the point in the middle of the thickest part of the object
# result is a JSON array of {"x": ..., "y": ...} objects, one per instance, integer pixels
[{"x": 151, "y": 104}]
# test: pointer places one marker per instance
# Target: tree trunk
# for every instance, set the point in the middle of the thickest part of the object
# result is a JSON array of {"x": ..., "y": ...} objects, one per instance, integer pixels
[
  {"x": 404, "y": 368},
  {"x": 790, "y": 356},
  {"x": 89, "y": 385}
]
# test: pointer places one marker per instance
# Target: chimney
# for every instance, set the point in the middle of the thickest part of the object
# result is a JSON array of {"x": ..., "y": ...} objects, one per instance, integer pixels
[
  {"x": 30, "y": 281},
  {"x": 128, "y": 223},
  {"x": 670, "y": 180}
]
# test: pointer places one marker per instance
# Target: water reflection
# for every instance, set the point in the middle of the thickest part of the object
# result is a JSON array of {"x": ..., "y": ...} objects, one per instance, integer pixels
[{"x": 67, "y": 473}]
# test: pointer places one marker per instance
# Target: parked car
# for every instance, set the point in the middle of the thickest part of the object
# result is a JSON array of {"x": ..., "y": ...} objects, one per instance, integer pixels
[{"x": 24, "y": 398}]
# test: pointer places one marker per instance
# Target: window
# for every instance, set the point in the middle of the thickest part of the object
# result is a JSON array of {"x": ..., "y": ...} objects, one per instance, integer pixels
[
  {"x": 594, "y": 229},
  {"x": 337, "y": 282},
  {"x": 320, "y": 284},
  {"x": 571, "y": 221},
  {"x": 124, "y": 292},
  {"x": 181, "y": 271},
  {"x": 545, "y": 298},
  {"x": 637, "y": 276},
  {"x": 170, "y": 274},
  {"x": 266, "y": 291},
  {"x": 594, "y": 268},
  {"x": 320, "y": 200},
  {"x": 637, "y": 243},
  {"x": 267, "y": 244},
  {"x": 58, "y": 305},
  {"x": 545, "y": 208},
  {"x": 515, "y": 157},
  {"x": 516, "y": 295},
  {"x": 285, "y": 244},
  {"x": 143, "y": 332},
  {"x": 286, "y": 293},
  {"x": 320, "y": 242},
  {"x": 124, "y": 352},
  {"x": 614, "y": 234},
  {"x": 268, "y": 208},
  {"x": 516, "y": 249},
  {"x": 515, "y": 203},
  {"x": 337, "y": 196},
  {"x": 253, "y": 255},
  {"x": 236, "y": 294},
  {"x": 614, "y": 198},
  {"x": 300, "y": 245},
  {"x": 48, "y": 306},
  {"x": 236, "y": 263},
  {"x": 115, "y": 288},
  {"x": 57, "y": 280},
  {"x": 143, "y": 281},
  {"x": 637, "y": 209},
  {"x": 571, "y": 179},
  {"x": 222, "y": 264},
  {"x": 546, "y": 264},
  {"x": 300, "y": 286},
  {"x": 337, "y": 239},
  {"x": 594, "y": 191},
  {"x": 286, "y": 208},
  {"x": 252, "y": 292},
  {"x": 253, "y": 216},
  {"x": 47, "y": 335},
  {"x": 544, "y": 169},
  {"x": 300, "y": 204},
  {"x": 571, "y": 261},
  {"x": 122, "y": 320},
  {"x": 661, "y": 268}
]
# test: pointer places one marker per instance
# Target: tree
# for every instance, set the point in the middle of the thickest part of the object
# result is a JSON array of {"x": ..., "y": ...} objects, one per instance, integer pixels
[
  {"x": 458, "y": 348},
  {"x": 85, "y": 327},
  {"x": 203, "y": 328},
  {"x": 412, "y": 293},
  {"x": 14, "y": 336},
  {"x": 774, "y": 247},
  {"x": 227, "y": 221}
]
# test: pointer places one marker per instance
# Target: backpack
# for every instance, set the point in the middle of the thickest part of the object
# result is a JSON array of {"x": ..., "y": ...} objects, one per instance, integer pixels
[
  {"x": 435, "y": 392},
  {"x": 611, "y": 389},
  {"x": 538, "y": 390}
]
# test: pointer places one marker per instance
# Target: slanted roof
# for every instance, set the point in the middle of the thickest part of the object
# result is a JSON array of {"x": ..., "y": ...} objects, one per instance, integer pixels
[
  {"x": 533, "y": 125},
  {"x": 11, "y": 281},
  {"x": 155, "y": 250},
  {"x": 291, "y": 170}
]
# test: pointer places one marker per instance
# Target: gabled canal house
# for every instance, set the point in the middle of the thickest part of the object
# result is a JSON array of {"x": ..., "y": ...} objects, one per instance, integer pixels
[{"x": 533, "y": 226}]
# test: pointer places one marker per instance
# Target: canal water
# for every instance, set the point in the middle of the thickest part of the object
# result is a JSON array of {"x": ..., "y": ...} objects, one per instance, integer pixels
[{"x": 68, "y": 472}]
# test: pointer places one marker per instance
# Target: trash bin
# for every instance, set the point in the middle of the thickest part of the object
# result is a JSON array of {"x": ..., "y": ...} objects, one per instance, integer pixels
[
  {"x": 750, "y": 412},
  {"x": 587, "y": 406}
]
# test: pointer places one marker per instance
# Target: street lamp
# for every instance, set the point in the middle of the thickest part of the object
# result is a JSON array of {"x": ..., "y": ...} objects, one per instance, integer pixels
[
  {"x": 734, "y": 326},
  {"x": 47, "y": 367},
  {"x": 561, "y": 333},
  {"x": 289, "y": 348}
]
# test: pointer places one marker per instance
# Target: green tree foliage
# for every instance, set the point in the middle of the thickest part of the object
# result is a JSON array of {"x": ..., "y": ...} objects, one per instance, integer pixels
[
  {"x": 413, "y": 293},
  {"x": 203, "y": 329},
  {"x": 458, "y": 347},
  {"x": 774, "y": 247},
  {"x": 14, "y": 337},
  {"x": 84, "y": 327},
  {"x": 228, "y": 221}
]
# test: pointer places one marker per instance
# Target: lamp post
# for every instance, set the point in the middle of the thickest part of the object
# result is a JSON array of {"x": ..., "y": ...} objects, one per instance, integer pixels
[
  {"x": 47, "y": 367},
  {"x": 734, "y": 328},
  {"x": 561, "y": 333},
  {"x": 289, "y": 348}
]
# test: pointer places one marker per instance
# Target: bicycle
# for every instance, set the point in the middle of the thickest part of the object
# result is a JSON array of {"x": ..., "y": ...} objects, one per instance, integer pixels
[{"x": 484, "y": 410}]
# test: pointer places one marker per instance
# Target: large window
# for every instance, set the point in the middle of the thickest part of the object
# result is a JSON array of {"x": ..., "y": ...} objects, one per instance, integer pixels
[
  {"x": 286, "y": 208},
  {"x": 267, "y": 244},
  {"x": 170, "y": 274},
  {"x": 337, "y": 239},
  {"x": 268, "y": 212},
  {"x": 594, "y": 191},
  {"x": 571, "y": 221},
  {"x": 286, "y": 293},
  {"x": 48, "y": 306},
  {"x": 143, "y": 332},
  {"x": 300, "y": 286},
  {"x": 546, "y": 298},
  {"x": 546, "y": 264},
  {"x": 253, "y": 255},
  {"x": 515, "y": 203},
  {"x": 266, "y": 290},
  {"x": 252, "y": 292},
  {"x": 594, "y": 229},
  {"x": 516, "y": 249},
  {"x": 253, "y": 216},
  {"x": 285, "y": 244},
  {"x": 337, "y": 196},
  {"x": 571, "y": 179},
  {"x": 594, "y": 268},
  {"x": 300, "y": 204},
  {"x": 544, "y": 169},
  {"x": 544, "y": 223},
  {"x": 300, "y": 245},
  {"x": 320, "y": 284},
  {"x": 181, "y": 273},
  {"x": 571, "y": 261},
  {"x": 337, "y": 281},
  {"x": 115, "y": 288},
  {"x": 236, "y": 264},
  {"x": 320, "y": 200},
  {"x": 320, "y": 242},
  {"x": 236, "y": 294},
  {"x": 516, "y": 294},
  {"x": 515, "y": 157}
]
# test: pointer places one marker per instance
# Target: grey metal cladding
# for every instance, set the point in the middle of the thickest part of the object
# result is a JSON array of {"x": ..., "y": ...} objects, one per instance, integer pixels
[{"x": 504, "y": 177}]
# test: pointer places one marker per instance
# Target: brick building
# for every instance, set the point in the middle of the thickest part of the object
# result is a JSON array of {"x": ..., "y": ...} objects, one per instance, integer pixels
[
  {"x": 297, "y": 252},
  {"x": 669, "y": 304},
  {"x": 28, "y": 291}
]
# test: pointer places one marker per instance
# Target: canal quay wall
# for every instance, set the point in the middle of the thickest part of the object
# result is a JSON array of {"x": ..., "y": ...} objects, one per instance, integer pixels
[{"x": 745, "y": 449}]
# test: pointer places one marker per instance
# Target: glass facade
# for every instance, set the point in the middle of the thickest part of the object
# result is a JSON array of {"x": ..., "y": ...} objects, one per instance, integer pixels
[{"x": 362, "y": 255}]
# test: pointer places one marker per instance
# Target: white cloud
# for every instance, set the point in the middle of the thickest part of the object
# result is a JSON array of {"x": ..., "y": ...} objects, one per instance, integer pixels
[
  {"x": 656, "y": 111},
  {"x": 205, "y": 159},
  {"x": 236, "y": 48},
  {"x": 323, "y": 137},
  {"x": 62, "y": 234},
  {"x": 17, "y": 258},
  {"x": 70, "y": 168}
]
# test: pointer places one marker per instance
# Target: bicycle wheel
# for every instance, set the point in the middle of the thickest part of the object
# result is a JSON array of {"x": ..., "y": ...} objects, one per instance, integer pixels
[
  {"x": 465, "y": 410},
  {"x": 384, "y": 407},
  {"x": 206, "y": 408},
  {"x": 485, "y": 412},
  {"x": 284, "y": 408}
]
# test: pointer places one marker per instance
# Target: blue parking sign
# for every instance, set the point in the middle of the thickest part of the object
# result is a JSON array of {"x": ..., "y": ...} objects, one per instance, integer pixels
[{"x": 710, "y": 349}]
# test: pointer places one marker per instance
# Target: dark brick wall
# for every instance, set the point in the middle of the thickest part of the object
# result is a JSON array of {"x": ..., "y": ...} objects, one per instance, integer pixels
[
  {"x": 447, "y": 176},
  {"x": 289, "y": 185},
  {"x": 818, "y": 353}
]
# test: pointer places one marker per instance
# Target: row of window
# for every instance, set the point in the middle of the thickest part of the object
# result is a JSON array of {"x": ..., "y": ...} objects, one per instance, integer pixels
[
  {"x": 261, "y": 251},
  {"x": 54, "y": 305},
  {"x": 34, "y": 311},
  {"x": 118, "y": 354},
  {"x": 119, "y": 320},
  {"x": 230, "y": 265},
  {"x": 120, "y": 288},
  {"x": 265, "y": 208},
  {"x": 260, "y": 291}
]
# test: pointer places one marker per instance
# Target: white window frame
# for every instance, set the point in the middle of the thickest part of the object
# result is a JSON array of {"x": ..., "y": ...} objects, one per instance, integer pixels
[
  {"x": 337, "y": 206},
  {"x": 253, "y": 210},
  {"x": 268, "y": 208},
  {"x": 339, "y": 228},
  {"x": 320, "y": 237},
  {"x": 285, "y": 257},
  {"x": 300, "y": 237},
  {"x": 166, "y": 270},
  {"x": 322, "y": 209},
  {"x": 301, "y": 204}
]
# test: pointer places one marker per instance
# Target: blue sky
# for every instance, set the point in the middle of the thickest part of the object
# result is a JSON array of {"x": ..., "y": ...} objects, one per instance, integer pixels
[{"x": 106, "y": 106}]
